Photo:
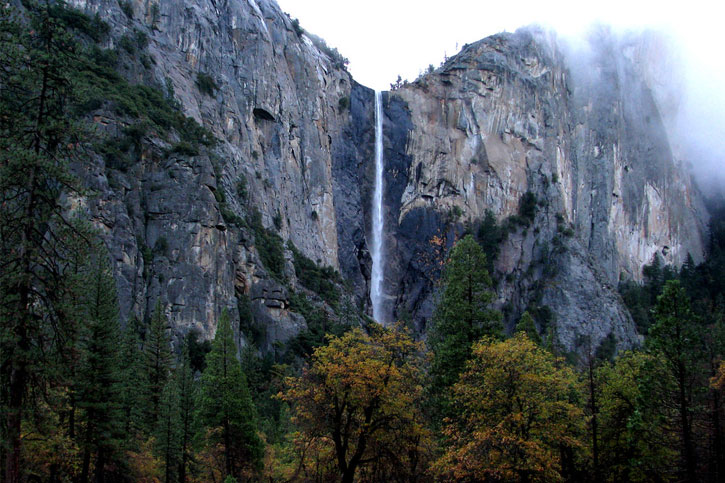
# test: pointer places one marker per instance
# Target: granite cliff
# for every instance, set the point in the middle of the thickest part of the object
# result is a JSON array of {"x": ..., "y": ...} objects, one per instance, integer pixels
[{"x": 511, "y": 118}]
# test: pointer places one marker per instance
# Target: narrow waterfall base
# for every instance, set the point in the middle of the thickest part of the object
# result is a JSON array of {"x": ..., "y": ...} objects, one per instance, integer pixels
[{"x": 377, "y": 250}]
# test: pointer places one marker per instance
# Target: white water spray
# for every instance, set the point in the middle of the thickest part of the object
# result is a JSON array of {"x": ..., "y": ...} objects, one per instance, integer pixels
[{"x": 377, "y": 252}]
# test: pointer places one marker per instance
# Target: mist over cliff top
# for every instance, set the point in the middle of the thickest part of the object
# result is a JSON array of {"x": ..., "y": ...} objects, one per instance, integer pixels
[{"x": 676, "y": 48}]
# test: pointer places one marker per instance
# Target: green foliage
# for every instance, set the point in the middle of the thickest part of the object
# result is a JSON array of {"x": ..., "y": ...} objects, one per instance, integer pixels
[
  {"x": 520, "y": 416},
  {"x": 134, "y": 391},
  {"x": 607, "y": 348},
  {"x": 527, "y": 326},
  {"x": 184, "y": 148},
  {"x": 321, "y": 280},
  {"x": 635, "y": 443},
  {"x": 242, "y": 190},
  {"x": 251, "y": 331},
  {"x": 127, "y": 44},
  {"x": 678, "y": 338},
  {"x": 343, "y": 104},
  {"x": 162, "y": 246},
  {"x": 277, "y": 220},
  {"x": 641, "y": 299},
  {"x": 167, "y": 434},
  {"x": 39, "y": 243},
  {"x": 226, "y": 412},
  {"x": 269, "y": 246},
  {"x": 92, "y": 27},
  {"x": 157, "y": 361},
  {"x": 126, "y": 8},
  {"x": 527, "y": 207},
  {"x": 98, "y": 379},
  {"x": 206, "y": 84},
  {"x": 490, "y": 235},
  {"x": 265, "y": 380},
  {"x": 187, "y": 388},
  {"x": 297, "y": 28},
  {"x": 197, "y": 350},
  {"x": 319, "y": 326},
  {"x": 461, "y": 318}
]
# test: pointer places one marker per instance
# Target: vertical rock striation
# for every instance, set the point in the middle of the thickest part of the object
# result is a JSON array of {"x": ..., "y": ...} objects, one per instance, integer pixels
[
  {"x": 518, "y": 113},
  {"x": 509, "y": 115}
]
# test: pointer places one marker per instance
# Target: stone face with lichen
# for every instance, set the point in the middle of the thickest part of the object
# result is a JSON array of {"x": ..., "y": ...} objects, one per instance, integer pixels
[
  {"x": 509, "y": 115},
  {"x": 519, "y": 113}
]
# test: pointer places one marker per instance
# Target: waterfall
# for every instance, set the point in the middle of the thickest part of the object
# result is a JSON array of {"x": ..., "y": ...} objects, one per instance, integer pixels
[{"x": 377, "y": 252}]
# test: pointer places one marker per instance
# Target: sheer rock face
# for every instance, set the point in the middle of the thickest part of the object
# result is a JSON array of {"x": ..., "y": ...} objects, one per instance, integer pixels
[
  {"x": 278, "y": 114},
  {"x": 508, "y": 115},
  {"x": 517, "y": 113}
]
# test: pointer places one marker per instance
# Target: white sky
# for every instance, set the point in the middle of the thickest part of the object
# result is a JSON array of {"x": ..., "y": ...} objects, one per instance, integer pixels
[{"x": 385, "y": 38}]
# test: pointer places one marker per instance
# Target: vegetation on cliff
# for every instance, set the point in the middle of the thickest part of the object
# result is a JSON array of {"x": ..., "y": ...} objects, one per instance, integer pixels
[{"x": 83, "y": 398}]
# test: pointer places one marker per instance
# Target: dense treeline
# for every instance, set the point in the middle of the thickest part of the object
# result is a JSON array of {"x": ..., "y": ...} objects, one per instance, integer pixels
[{"x": 85, "y": 399}]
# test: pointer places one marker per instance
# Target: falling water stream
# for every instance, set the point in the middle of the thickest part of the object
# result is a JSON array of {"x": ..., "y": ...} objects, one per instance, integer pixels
[{"x": 377, "y": 252}]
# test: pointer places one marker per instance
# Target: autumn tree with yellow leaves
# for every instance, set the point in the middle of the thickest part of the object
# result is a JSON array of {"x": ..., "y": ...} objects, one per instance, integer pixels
[
  {"x": 519, "y": 415},
  {"x": 356, "y": 407}
]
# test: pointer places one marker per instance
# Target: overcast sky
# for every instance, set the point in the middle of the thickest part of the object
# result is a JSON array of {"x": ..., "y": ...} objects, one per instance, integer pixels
[{"x": 386, "y": 38}]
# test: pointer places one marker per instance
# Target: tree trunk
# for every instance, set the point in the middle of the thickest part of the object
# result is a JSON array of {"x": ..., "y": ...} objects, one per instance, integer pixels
[
  {"x": 595, "y": 427},
  {"x": 689, "y": 452}
]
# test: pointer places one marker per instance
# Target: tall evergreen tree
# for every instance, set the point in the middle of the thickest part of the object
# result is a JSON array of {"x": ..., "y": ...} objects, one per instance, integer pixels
[
  {"x": 157, "y": 351},
  {"x": 133, "y": 384},
  {"x": 99, "y": 372},
  {"x": 37, "y": 138},
  {"x": 461, "y": 318},
  {"x": 184, "y": 376},
  {"x": 168, "y": 430},
  {"x": 226, "y": 410},
  {"x": 677, "y": 337}
]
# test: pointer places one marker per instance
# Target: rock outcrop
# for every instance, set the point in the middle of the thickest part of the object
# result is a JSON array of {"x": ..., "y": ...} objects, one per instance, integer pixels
[
  {"x": 517, "y": 115},
  {"x": 509, "y": 115},
  {"x": 279, "y": 102}
]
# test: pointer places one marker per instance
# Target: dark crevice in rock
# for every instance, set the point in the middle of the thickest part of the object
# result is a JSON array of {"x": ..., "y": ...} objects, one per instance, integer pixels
[{"x": 262, "y": 114}]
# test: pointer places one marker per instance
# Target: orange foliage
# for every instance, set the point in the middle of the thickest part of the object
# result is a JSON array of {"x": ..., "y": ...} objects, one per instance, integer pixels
[
  {"x": 516, "y": 414},
  {"x": 718, "y": 382},
  {"x": 357, "y": 408}
]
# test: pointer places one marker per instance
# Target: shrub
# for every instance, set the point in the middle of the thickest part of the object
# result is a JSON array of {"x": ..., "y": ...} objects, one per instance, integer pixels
[
  {"x": 297, "y": 28},
  {"x": 277, "y": 220},
  {"x": 93, "y": 27},
  {"x": 242, "y": 191},
  {"x": 161, "y": 246},
  {"x": 343, "y": 104},
  {"x": 127, "y": 44},
  {"x": 269, "y": 246},
  {"x": 320, "y": 280},
  {"x": 184, "y": 148},
  {"x": 527, "y": 207},
  {"x": 127, "y": 9},
  {"x": 206, "y": 84}
]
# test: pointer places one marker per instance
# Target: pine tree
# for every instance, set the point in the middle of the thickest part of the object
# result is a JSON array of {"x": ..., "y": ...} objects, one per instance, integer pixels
[
  {"x": 168, "y": 430},
  {"x": 461, "y": 318},
  {"x": 226, "y": 410},
  {"x": 527, "y": 326},
  {"x": 184, "y": 376},
  {"x": 676, "y": 336},
  {"x": 99, "y": 372},
  {"x": 133, "y": 384},
  {"x": 37, "y": 138},
  {"x": 157, "y": 351}
]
